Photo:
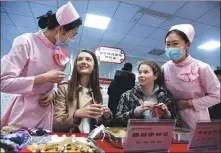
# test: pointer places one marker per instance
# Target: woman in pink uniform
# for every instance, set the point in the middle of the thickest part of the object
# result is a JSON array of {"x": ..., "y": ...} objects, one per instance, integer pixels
[
  {"x": 34, "y": 66},
  {"x": 192, "y": 82}
]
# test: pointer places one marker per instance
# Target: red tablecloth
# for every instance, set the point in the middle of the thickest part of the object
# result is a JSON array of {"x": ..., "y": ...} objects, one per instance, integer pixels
[{"x": 109, "y": 148}]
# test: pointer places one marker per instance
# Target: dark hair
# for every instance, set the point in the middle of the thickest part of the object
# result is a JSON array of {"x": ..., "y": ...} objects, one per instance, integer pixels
[
  {"x": 156, "y": 71},
  {"x": 179, "y": 33},
  {"x": 127, "y": 67},
  {"x": 93, "y": 83},
  {"x": 217, "y": 72},
  {"x": 49, "y": 21}
]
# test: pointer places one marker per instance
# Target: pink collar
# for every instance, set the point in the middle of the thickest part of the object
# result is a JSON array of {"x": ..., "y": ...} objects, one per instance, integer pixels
[
  {"x": 183, "y": 63},
  {"x": 45, "y": 40}
]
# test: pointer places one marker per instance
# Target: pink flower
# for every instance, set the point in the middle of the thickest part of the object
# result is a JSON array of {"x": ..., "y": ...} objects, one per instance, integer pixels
[{"x": 61, "y": 56}]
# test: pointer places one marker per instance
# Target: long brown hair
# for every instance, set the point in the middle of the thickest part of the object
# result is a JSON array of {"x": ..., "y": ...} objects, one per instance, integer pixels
[
  {"x": 93, "y": 82},
  {"x": 156, "y": 71}
]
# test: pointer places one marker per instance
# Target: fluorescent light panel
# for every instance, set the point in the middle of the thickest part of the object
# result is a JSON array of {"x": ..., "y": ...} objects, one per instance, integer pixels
[
  {"x": 210, "y": 45},
  {"x": 96, "y": 21}
]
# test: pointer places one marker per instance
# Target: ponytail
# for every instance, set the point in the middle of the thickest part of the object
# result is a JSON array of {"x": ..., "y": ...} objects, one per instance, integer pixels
[{"x": 47, "y": 21}]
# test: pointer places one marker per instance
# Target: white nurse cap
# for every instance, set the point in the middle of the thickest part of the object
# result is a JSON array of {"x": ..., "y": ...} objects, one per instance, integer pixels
[
  {"x": 185, "y": 28},
  {"x": 66, "y": 14}
]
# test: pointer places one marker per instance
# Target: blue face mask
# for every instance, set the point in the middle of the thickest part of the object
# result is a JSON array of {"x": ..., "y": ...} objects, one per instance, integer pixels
[
  {"x": 174, "y": 54},
  {"x": 65, "y": 44},
  {"x": 69, "y": 42}
]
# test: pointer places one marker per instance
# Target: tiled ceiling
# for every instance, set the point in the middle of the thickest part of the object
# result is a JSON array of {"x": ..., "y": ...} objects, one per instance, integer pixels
[{"x": 137, "y": 33}]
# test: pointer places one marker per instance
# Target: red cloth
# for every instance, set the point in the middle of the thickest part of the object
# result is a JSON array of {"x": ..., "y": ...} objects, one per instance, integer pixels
[{"x": 109, "y": 148}]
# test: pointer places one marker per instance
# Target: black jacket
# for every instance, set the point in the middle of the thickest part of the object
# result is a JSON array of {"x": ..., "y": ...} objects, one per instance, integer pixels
[
  {"x": 133, "y": 98},
  {"x": 123, "y": 81}
]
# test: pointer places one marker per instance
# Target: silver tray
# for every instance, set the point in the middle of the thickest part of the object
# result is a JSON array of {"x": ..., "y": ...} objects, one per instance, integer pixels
[
  {"x": 45, "y": 139},
  {"x": 116, "y": 141}
]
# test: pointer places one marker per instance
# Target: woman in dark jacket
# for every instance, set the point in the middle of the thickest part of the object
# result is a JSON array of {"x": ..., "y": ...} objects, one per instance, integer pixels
[{"x": 142, "y": 101}]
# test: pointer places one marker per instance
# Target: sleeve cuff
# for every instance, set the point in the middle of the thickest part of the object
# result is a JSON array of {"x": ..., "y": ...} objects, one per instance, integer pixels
[
  {"x": 137, "y": 113},
  {"x": 131, "y": 113},
  {"x": 30, "y": 86},
  {"x": 194, "y": 102},
  {"x": 168, "y": 115},
  {"x": 74, "y": 120}
]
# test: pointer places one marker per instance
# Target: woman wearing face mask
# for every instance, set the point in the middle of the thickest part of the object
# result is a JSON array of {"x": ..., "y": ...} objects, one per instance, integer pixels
[
  {"x": 78, "y": 105},
  {"x": 143, "y": 101},
  {"x": 33, "y": 68},
  {"x": 189, "y": 79}
]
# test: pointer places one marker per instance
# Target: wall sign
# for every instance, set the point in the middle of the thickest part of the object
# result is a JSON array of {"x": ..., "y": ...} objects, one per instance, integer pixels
[
  {"x": 105, "y": 81},
  {"x": 110, "y": 55}
]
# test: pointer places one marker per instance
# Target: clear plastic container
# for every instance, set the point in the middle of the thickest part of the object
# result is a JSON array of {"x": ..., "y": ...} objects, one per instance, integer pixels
[
  {"x": 117, "y": 136},
  {"x": 181, "y": 135}
]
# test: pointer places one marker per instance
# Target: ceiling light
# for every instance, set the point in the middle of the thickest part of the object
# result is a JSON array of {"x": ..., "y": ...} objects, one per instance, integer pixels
[
  {"x": 96, "y": 21},
  {"x": 210, "y": 45}
]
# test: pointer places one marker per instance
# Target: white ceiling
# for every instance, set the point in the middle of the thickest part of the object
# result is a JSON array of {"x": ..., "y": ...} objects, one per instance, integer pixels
[{"x": 135, "y": 33}]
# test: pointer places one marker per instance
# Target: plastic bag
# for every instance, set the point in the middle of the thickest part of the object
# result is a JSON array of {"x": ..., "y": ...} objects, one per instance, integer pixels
[
  {"x": 99, "y": 133},
  {"x": 15, "y": 140}
]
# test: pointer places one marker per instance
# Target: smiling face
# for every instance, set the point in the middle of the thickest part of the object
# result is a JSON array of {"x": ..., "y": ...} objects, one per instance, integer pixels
[
  {"x": 85, "y": 63},
  {"x": 146, "y": 75}
]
